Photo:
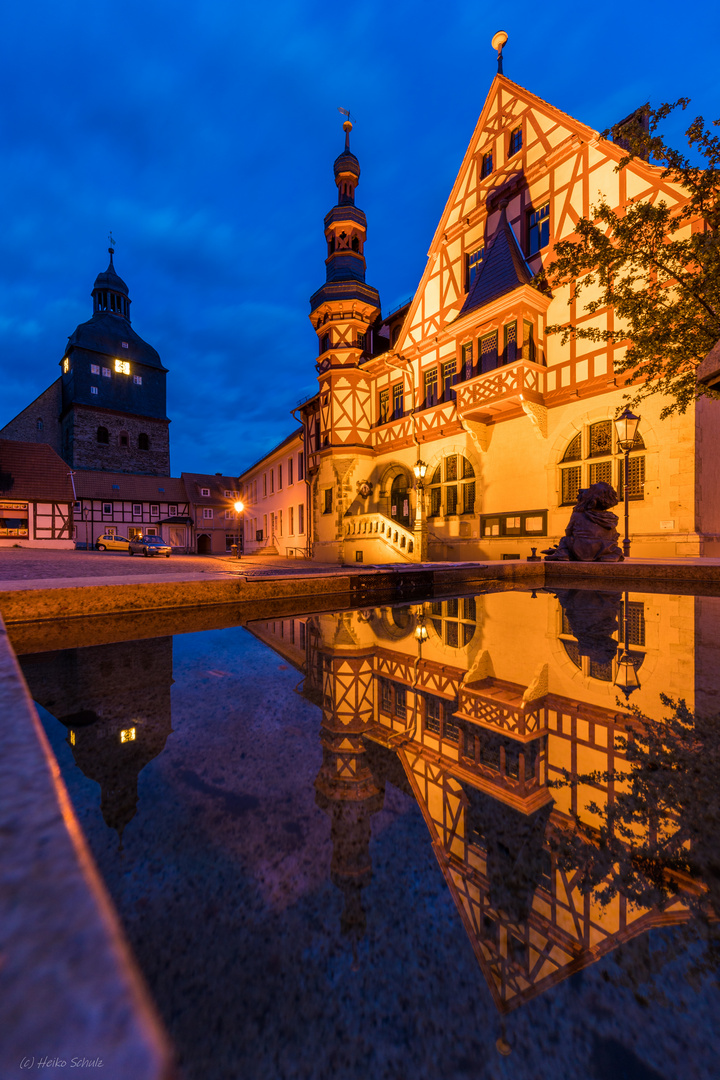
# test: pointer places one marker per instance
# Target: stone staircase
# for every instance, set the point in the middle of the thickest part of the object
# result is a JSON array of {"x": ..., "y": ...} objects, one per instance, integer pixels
[{"x": 399, "y": 539}]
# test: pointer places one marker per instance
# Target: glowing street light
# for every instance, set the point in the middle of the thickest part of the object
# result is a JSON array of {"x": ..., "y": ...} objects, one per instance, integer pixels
[
  {"x": 626, "y": 678},
  {"x": 626, "y": 427},
  {"x": 239, "y": 507},
  {"x": 421, "y": 532}
]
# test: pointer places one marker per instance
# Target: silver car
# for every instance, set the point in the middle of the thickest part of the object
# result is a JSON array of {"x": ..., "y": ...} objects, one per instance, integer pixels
[{"x": 150, "y": 545}]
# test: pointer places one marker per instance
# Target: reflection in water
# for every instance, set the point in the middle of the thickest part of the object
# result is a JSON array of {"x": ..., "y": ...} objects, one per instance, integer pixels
[{"x": 499, "y": 715}]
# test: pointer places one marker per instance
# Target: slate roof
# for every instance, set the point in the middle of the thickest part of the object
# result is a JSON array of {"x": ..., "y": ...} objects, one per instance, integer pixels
[
  {"x": 91, "y": 484},
  {"x": 298, "y": 433},
  {"x": 502, "y": 270},
  {"x": 110, "y": 279},
  {"x": 33, "y": 471},
  {"x": 105, "y": 332}
]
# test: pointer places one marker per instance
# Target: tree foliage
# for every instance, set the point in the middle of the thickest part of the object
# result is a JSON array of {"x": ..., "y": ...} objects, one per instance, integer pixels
[{"x": 656, "y": 264}]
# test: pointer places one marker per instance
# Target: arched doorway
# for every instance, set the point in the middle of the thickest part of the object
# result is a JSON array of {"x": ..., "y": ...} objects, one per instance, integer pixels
[
  {"x": 400, "y": 500},
  {"x": 204, "y": 544}
]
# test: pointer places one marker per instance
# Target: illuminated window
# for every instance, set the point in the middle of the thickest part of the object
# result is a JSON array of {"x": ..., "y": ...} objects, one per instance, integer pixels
[
  {"x": 538, "y": 229},
  {"x": 128, "y": 735},
  {"x": 602, "y": 462},
  {"x": 515, "y": 141},
  {"x": 452, "y": 483},
  {"x": 72, "y": 738},
  {"x": 94, "y": 369},
  {"x": 122, "y": 367},
  {"x": 66, "y": 365}
]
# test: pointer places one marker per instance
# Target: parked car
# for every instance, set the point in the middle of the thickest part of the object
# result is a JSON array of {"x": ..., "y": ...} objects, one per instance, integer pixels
[
  {"x": 150, "y": 545},
  {"x": 110, "y": 542}
]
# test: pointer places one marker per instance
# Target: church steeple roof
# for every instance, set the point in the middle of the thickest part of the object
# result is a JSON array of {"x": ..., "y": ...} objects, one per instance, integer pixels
[
  {"x": 502, "y": 269},
  {"x": 110, "y": 279}
]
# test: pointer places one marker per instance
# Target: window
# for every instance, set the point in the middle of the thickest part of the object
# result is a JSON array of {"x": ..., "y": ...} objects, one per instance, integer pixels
[
  {"x": 264, "y": 485},
  {"x": 449, "y": 370},
  {"x": 39, "y": 425},
  {"x": 280, "y": 523},
  {"x": 122, "y": 367},
  {"x": 606, "y": 670},
  {"x": 205, "y": 492},
  {"x": 137, "y": 379},
  {"x": 453, "y": 483},
  {"x": 291, "y": 521},
  {"x": 528, "y": 349},
  {"x": 515, "y": 523},
  {"x": 510, "y": 343},
  {"x": 93, "y": 389},
  {"x": 66, "y": 365},
  {"x": 207, "y": 513},
  {"x": 398, "y": 401},
  {"x": 106, "y": 372},
  {"x": 107, "y": 510},
  {"x": 272, "y": 481},
  {"x": 488, "y": 350},
  {"x": 229, "y": 514},
  {"x": 279, "y": 468},
  {"x": 472, "y": 265},
  {"x": 94, "y": 369},
  {"x": 383, "y": 406},
  {"x": 602, "y": 462},
  {"x": 143, "y": 441},
  {"x": 154, "y": 510},
  {"x": 385, "y": 696},
  {"x": 328, "y": 501},
  {"x": 467, "y": 361},
  {"x": 137, "y": 509},
  {"x": 301, "y": 466},
  {"x": 433, "y": 715},
  {"x": 172, "y": 510},
  {"x": 430, "y": 387},
  {"x": 486, "y": 166},
  {"x": 454, "y": 621},
  {"x": 123, "y": 438},
  {"x": 515, "y": 141},
  {"x": 290, "y": 471},
  {"x": 301, "y": 518},
  {"x": 538, "y": 229},
  {"x": 400, "y": 701}
]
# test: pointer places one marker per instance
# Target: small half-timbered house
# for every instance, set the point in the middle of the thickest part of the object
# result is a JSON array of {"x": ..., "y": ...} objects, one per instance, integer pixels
[
  {"x": 122, "y": 504},
  {"x": 36, "y": 497}
]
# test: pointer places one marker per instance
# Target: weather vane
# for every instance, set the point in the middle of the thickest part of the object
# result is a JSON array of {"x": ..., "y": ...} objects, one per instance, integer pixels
[
  {"x": 346, "y": 112},
  {"x": 111, "y": 241},
  {"x": 498, "y": 41}
]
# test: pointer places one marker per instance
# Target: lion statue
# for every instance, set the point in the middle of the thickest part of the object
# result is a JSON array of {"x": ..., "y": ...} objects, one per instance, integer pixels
[{"x": 591, "y": 535}]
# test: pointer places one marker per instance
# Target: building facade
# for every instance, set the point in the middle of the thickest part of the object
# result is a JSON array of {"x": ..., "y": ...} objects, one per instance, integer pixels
[
  {"x": 274, "y": 494},
  {"x": 36, "y": 497},
  {"x": 509, "y": 422},
  {"x": 211, "y": 501},
  {"x": 107, "y": 409},
  {"x": 130, "y": 506}
]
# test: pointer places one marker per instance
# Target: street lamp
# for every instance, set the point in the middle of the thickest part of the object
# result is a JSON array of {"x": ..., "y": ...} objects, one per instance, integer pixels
[
  {"x": 239, "y": 507},
  {"x": 421, "y": 630},
  {"x": 626, "y": 428},
  {"x": 421, "y": 536},
  {"x": 626, "y": 678}
]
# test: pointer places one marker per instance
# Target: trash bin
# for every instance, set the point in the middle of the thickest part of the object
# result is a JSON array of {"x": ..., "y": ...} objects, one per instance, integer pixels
[{"x": 233, "y": 550}]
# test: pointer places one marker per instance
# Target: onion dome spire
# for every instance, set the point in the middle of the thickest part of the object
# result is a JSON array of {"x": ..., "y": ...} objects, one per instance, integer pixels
[{"x": 110, "y": 293}]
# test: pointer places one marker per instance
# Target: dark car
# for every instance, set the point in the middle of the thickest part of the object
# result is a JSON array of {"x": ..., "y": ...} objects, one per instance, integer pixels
[{"x": 150, "y": 545}]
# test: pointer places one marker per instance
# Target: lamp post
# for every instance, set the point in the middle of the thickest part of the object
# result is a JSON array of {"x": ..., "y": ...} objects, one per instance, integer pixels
[
  {"x": 239, "y": 507},
  {"x": 626, "y": 427},
  {"x": 421, "y": 536},
  {"x": 626, "y": 678}
]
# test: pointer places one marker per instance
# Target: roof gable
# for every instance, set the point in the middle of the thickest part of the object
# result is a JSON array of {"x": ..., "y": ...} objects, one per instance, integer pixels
[{"x": 502, "y": 269}]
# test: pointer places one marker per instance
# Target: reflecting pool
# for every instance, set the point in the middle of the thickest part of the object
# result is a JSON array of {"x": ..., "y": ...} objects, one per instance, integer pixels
[{"x": 463, "y": 838}]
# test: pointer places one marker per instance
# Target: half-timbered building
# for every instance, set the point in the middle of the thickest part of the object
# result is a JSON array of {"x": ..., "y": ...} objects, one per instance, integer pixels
[
  {"x": 509, "y": 422},
  {"x": 36, "y": 497},
  {"x": 433, "y": 699},
  {"x": 120, "y": 504}
]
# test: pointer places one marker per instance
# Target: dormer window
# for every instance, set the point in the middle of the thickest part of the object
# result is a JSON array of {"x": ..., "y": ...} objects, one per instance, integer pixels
[
  {"x": 538, "y": 229},
  {"x": 472, "y": 266},
  {"x": 205, "y": 492}
]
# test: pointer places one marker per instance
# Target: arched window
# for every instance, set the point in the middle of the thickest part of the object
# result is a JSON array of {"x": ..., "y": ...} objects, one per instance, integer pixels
[
  {"x": 601, "y": 669},
  {"x": 452, "y": 487},
  {"x": 599, "y": 460},
  {"x": 103, "y": 436},
  {"x": 454, "y": 621},
  {"x": 123, "y": 438},
  {"x": 143, "y": 441}
]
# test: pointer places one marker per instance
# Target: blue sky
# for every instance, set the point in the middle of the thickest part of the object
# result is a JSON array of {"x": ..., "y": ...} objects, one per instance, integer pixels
[{"x": 203, "y": 135}]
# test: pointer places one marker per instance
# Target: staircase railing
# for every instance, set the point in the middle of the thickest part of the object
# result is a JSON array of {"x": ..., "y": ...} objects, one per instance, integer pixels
[{"x": 378, "y": 527}]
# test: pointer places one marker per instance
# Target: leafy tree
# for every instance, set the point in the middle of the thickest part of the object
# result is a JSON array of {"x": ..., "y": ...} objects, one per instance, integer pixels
[{"x": 657, "y": 265}]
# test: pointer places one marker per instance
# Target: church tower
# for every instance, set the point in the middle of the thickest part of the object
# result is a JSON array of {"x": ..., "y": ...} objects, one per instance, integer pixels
[{"x": 113, "y": 399}]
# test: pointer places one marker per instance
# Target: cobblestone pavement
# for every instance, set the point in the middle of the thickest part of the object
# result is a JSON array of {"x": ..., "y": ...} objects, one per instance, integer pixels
[{"x": 33, "y": 564}]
